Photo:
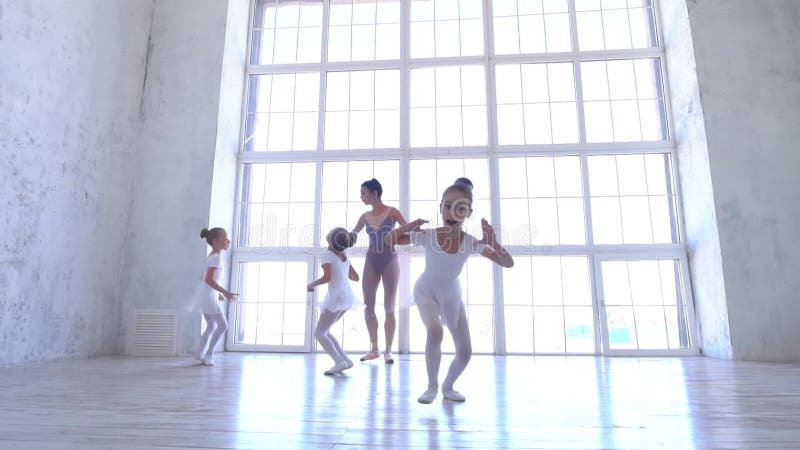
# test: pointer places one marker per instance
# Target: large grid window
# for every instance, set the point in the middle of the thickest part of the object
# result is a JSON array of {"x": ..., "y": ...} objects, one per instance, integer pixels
[{"x": 555, "y": 109}]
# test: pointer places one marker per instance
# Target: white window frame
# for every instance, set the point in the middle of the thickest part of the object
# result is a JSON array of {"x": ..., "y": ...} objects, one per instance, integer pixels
[{"x": 492, "y": 152}]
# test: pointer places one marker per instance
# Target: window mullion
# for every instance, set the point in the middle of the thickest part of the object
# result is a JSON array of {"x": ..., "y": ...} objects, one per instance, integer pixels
[
  {"x": 323, "y": 87},
  {"x": 323, "y": 80},
  {"x": 405, "y": 140},
  {"x": 576, "y": 69},
  {"x": 494, "y": 171}
]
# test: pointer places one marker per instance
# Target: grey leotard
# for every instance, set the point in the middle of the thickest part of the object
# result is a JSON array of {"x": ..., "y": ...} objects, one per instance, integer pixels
[{"x": 380, "y": 254}]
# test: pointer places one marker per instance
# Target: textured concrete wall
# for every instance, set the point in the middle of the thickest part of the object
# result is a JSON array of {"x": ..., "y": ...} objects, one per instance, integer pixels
[
  {"x": 70, "y": 91},
  {"x": 700, "y": 219},
  {"x": 747, "y": 57},
  {"x": 173, "y": 186}
]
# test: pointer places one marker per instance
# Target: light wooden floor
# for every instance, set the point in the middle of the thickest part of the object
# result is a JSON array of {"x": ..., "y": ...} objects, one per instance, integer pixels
[{"x": 281, "y": 401}]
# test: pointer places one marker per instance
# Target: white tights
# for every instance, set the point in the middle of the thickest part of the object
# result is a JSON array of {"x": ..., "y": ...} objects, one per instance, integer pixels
[
  {"x": 215, "y": 328},
  {"x": 429, "y": 313},
  {"x": 325, "y": 338}
]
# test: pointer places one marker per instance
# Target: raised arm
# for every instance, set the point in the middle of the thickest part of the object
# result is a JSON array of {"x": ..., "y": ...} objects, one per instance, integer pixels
[
  {"x": 399, "y": 236},
  {"x": 494, "y": 251},
  {"x": 397, "y": 216},
  {"x": 360, "y": 224}
]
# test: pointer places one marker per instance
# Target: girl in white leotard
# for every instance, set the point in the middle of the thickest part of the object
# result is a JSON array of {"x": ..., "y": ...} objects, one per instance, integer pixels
[
  {"x": 337, "y": 272},
  {"x": 437, "y": 292},
  {"x": 208, "y": 294}
]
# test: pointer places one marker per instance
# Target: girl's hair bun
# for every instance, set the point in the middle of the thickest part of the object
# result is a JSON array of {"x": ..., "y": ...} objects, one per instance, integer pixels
[
  {"x": 341, "y": 239},
  {"x": 203, "y": 233},
  {"x": 465, "y": 182}
]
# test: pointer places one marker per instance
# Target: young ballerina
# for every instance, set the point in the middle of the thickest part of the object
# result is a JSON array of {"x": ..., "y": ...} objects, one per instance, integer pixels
[
  {"x": 208, "y": 295},
  {"x": 336, "y": 271},
  {"x": 379, "y": 265},
  {"x": 437, "y": 292}
]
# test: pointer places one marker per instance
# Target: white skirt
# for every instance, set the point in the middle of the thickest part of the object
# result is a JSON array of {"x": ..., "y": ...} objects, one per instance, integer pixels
[{"x": 340, "y": 299}]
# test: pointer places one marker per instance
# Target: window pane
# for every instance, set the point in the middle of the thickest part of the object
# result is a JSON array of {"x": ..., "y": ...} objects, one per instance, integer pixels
[
  {"x": 443, "y": 99},
  {"x": 269, "y": 192},
  {"x": 606, "y": 220},
  {"x": 446, "y": 28},
  {"x": 535, "y": 210},
  {"x": 615, "y": 25},
  {"x": 519, "y": 328},
  {"x": 548, "y": 325},
  {"x": 272, "y": 124},
  {"x": 531, "y": 27},
  {"x": 634, "y": 197},
  {"x": 558, "y": 34},
  {"x": 590, "y": 34},
  {"x": 579, "y": 325},
  {"x": 362, "y": 110},
  {"x": 532, "y": 35},
  {"x": 525, "y": 114},
  {"x": 631, "y": 115},
  {"x": 287, "y": 32},
  {"x": 561, "y": 320},
  {"x": 640, "y": 295},
  {"x": 364, "y": 30}
]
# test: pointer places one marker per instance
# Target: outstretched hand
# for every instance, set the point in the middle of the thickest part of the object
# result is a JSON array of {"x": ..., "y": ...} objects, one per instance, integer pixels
[
  {"x": 415, "y": 225},
  {"x": 310, "y": 288},
  {"x": 488, "y": 233},
  {"x": 230, "y": 296}
]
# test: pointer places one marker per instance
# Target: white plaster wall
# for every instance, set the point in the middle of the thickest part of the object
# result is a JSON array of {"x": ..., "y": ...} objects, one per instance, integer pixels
[
  {"x": 694, "y": 176},
  {"x": 748, "y": 68},
  {"x": 70, "y": 90},
  {"x": 231, "y": 92},
  {"x": 176, "y": 160}
]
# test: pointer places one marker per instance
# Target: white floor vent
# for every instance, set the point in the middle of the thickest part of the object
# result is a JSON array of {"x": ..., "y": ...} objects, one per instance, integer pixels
[{"x": 155, "y": 332}]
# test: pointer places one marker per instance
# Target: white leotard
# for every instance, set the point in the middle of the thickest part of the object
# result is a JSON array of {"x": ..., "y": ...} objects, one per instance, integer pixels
[
  {"x": 340, "y": 296},
  {"x": 206, "y": 298},
  {"x": 439, "y": 284}
]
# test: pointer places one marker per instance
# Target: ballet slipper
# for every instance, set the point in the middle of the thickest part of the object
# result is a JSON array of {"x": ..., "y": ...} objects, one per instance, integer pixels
[
  {"x": 453, "y": 396},
  {"x": 428, "y": 396},
  {"x": 338, "y": 367},
  {"x": 373, "y": 354}
]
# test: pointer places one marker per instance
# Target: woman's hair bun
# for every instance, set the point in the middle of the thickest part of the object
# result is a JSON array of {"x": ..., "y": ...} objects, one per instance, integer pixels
[{"x": 203, "y": 233}]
